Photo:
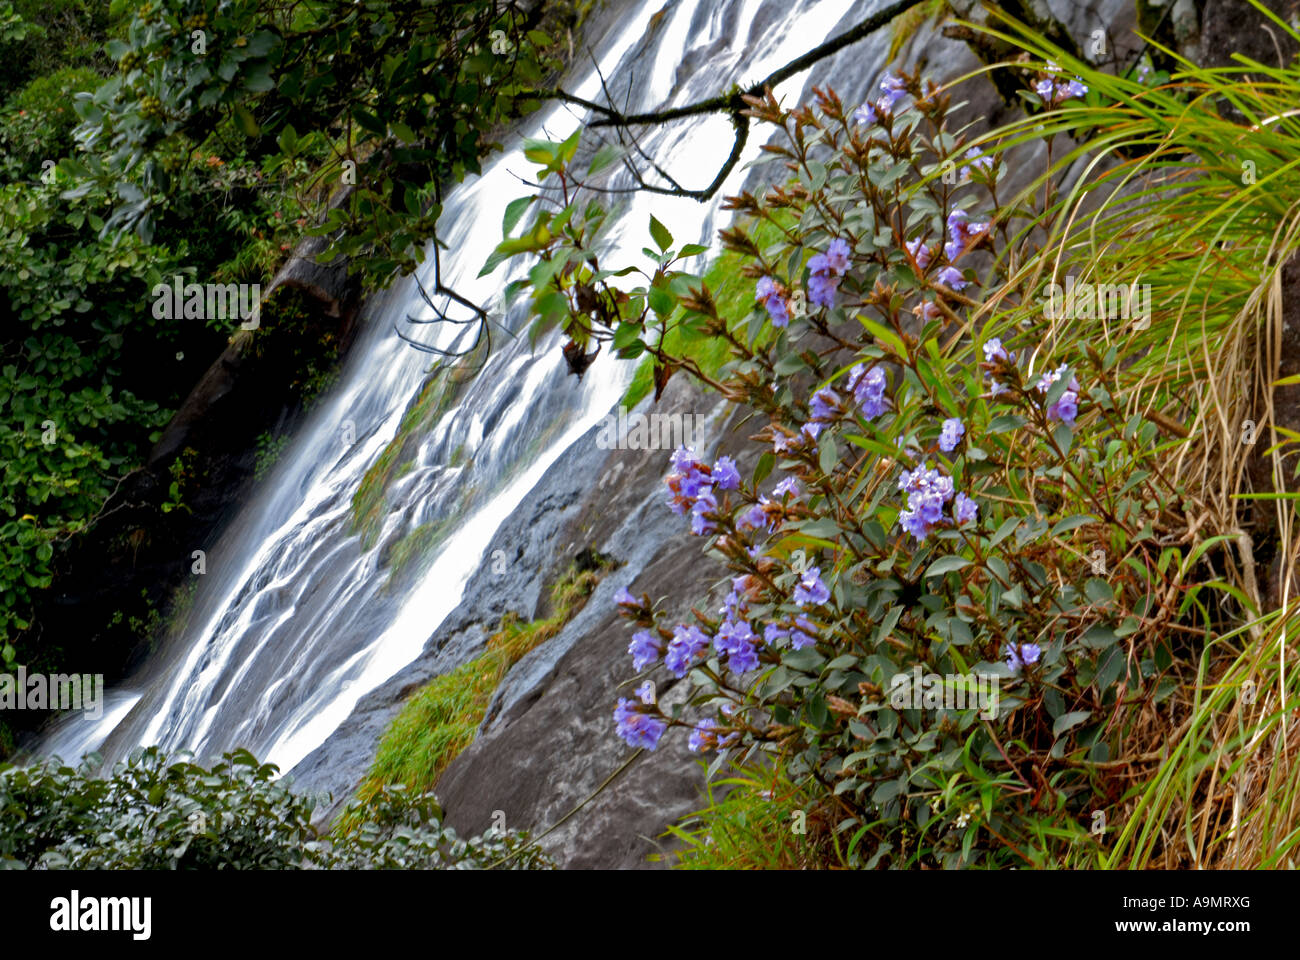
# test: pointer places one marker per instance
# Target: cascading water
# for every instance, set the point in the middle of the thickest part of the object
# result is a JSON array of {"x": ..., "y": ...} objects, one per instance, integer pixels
[{"x": 292, "y": 623}]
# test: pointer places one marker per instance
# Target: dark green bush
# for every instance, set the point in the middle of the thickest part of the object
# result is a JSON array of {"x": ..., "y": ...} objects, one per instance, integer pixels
[{"x": 161, "y": 813}]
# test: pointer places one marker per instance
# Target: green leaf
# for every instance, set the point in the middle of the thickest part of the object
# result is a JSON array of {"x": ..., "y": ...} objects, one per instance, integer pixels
[
  {"x": 1098, "y": 637},
  {"x": 626, "y": 335},
  {"x": 1110, "y": 670},
  {"x": 1098, "y": 591},
  {"x": 246, "y": 121},
  {"x": 1068, "y": 720},
  {"x": 661, "y": 301},
  {"x": 828, "y": 456},
  {"x": 660, "y": 233},
  {"x": 946, "y": 564},
  {"x": 288, "y": 139},
  {"x": 825, "y": 528},
  {"x": 514, "y": 211},
  {"x": 1069, "y": 523}
]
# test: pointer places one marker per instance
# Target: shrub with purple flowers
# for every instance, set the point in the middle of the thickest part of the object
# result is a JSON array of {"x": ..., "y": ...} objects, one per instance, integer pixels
[{"x": 943, "y": 476}]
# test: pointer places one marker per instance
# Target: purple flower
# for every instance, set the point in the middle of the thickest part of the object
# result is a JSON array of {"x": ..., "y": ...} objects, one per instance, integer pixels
[
  {"x": 993, "y": 350},
  {"x": 646, "y": 693},
  {"x": 813, "y": 428},
  {"x": 978, "y": 160},
  {"x": 686, "y": 647},
  {"x": 868, "y": 390},
  {"x": 688, "y": 481},
  {"x": 1066, "y": 406},
  {"x": 624, "y": 596},
  {"x": 964, "y": 509},
  {"x": 736, "y": 639},
  {"x": 768, "y": 295},
  {"x": 951, "y": 277},
  {"x": 1053, "y": 91},
  {"x": 702, "y": 737},
  {"x": 950, "y": 435},
  {"x": 725, "y": 475},
  {"x": 919, "y": 251},
  {"x": 893, "y": 89},
  {"x": 913, "y": 524},
  {"x": 783, "y": 444},
  {"x": 645, "y": 649},
  {"x": 789, "y": 485},
  {"x": 774, "y": 632},
  {"x": 637, "y": 728},
  {"x": 825, "y": 269},
  {"x": 865, "y": 115},
  {"x": 804, "y": 633},
  {"x": 810, "y": 589},
  {"x": 755, "y": 518},
  {"x": 821, "y": 289},
  {"x": 701, "y": 526},
  {"x": 837, "y": 256},
  {"x": 1013, "y": 659},
  {"x": 927, "y": 491},
  {"x": 1027, "y": 654},
  {"x": 825, "y": 405},
  {"x": 961, "y": 232}
]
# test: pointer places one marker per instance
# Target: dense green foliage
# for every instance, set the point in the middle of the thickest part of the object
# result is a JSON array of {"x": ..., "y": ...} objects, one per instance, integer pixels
[
  {"x": 144, "y": 140},
  {"x": 167, "y": 813}
]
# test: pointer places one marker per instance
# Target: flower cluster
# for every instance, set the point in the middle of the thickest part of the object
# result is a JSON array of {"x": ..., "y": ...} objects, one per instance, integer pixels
[
  {"x": 961, "y": 234},
  {"x": 994, "y": 352},
  {"x": 928, "y": 491},
  {"x": 768, "y": 293},
  {"x": 919, "y": 251},
  {"x": 637, "y": 728},
  {"x": 980, "y": 161},
  {"x": 893, "y": 88},
  {"x": 693, "y": 485},
  {"x": 1053, "y": 90},
  {"x": 1026, "y": 654},
  {"x": 868, "y": 390},
  {"x": 1066, "y": 407},
  {"x": 950, "y": 434},
  {"x": 825, "y": 271}
]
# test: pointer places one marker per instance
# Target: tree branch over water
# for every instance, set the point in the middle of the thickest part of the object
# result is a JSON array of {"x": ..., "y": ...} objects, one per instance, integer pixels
[{"x": 732, "y": 101}]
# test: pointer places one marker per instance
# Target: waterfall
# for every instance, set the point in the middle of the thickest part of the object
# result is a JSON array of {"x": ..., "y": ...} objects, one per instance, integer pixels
[{"x": 293, "y": 623}]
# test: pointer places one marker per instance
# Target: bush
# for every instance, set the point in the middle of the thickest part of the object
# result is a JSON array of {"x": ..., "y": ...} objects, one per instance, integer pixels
[
  {"x": 37, "y": 123},
  {"x": 161, "y": 813},
  {"x": 967, "y": 501}
]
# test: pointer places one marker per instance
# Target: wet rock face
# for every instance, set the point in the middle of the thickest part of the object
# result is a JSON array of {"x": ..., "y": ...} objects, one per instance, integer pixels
[
  {"x": 1234, "y": 26},
  {"x": 548, "y": 740}
]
